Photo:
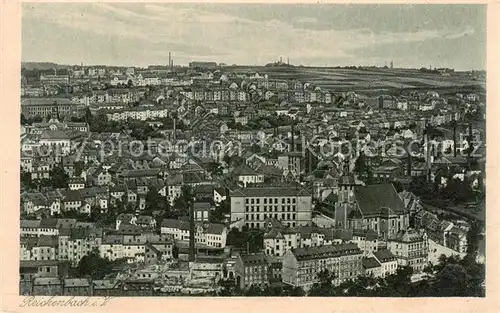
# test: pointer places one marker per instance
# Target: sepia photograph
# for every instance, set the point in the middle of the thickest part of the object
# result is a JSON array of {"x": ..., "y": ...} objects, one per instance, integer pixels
[{"x": 265, "y": 150}]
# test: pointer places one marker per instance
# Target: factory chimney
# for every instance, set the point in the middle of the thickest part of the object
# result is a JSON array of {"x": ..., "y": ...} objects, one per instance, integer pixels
[
  {"x": 454, "y": 138},
  {"x": 170, "y": 60},
  {"x": 409, "y": 160},
  {"x": 192, "y": 254},
  {"x": 174, "y": 134}
]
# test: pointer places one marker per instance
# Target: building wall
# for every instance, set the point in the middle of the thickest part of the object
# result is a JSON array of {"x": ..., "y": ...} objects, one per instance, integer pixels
[
  {"x": 291, "y": 211},
  {"x": 414, "y": 254},
  {"x": 304, "y": 273}
]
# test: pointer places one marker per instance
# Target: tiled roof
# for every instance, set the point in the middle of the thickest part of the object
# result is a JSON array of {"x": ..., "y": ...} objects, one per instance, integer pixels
[
  {"x": 370, "y": 263},
  {"x": 48, "y": 241},
  {"x": 328, "y": 251},
  {"x": 216, "y": 229},
  {"x": 30, "y": 223},
  {"x": 384, "y": 256},
  {"x": 178, "y": 224},
  {"x": 407, "y": 236},
  {"x": 377, "y": 199},
  {"x": 253, "y": 259},
  {"x": 271, "y": 192}
]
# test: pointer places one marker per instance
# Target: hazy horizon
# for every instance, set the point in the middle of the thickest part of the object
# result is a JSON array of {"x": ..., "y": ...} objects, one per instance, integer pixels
[{"x": 326, "y": 35}]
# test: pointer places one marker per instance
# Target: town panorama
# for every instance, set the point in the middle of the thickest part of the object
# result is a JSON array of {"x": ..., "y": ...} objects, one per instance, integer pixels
[{"x": 281, "y": 179}]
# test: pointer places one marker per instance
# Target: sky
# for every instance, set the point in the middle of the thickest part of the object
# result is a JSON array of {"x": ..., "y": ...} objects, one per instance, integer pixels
[{"x": 133, "y": 34}]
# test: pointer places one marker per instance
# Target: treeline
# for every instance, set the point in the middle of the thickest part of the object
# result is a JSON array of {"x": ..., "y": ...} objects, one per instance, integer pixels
[{"x": 451, "y": 277}]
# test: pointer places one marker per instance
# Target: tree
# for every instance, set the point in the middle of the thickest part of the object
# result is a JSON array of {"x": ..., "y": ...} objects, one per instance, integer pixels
[
  {"x": 175, "y": 252},
  {"x": 155, "y": 201},
  {"x": 58, "y": 177},
  {"x": 251, "y": 239},
  {"x": 214, "y": 168},
  {"x": 360, "y": 164},
  {"x": 24, "y": 120},
  {"x": 451, "y": 281},
  {"x": 324, "y": 286},
  {"x": 79, "y": 165},
  {"x": 218, "y": 215},
  {"x": 94, "y": 266},
  {"x": 26, "y": 179},
  {"x": 254, "y": 291}
]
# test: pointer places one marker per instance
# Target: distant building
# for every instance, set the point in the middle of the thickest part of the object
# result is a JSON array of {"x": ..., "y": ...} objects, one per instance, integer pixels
[
  {"x": 203, "y": 65},
  {"x": 31, "y": 107}
]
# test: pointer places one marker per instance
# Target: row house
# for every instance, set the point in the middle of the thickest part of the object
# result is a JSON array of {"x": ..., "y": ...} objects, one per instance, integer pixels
[
  {"x": 138, "y": 114},
  {"x": 212, "y": 235},
  {"x": 38, "y": 248},
  {"x": 75, "y": 243},
  {"x": 279, "y": 240},
  {"x": 302, "y": 265}
]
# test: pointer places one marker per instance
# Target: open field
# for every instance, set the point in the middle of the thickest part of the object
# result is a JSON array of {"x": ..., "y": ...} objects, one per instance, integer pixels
[{"x": 367, "y": 81}]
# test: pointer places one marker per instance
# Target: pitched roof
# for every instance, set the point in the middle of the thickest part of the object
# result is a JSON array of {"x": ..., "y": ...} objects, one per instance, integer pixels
[
  {"x": 328, "y": 251},
  {"x": 244, "y": 170},
  {"x": 410, "y": 235},
  {"x": 376, "y": 199},
  {"x": 384, "y": 256},
  {"x": 48, "y": 241},
  {"x": 270, "y": 192},
  {"x": 370, "y": 263},
  {"x": 30, "y": 223},
  {"x": 254, "y": 259},
  {"x": 178, "y": 224},
  {"x": 214, "y": 228}
]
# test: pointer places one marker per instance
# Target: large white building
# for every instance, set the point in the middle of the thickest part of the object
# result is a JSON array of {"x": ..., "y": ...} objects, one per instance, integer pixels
[{"x": 290, "y": 205}]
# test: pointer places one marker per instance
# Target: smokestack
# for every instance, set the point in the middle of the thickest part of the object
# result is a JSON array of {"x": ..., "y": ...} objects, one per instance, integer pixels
[
  {"x": 281, "y": 59},
  {"x": 454, "y": 138},
  {"x": 408, "y": 158},
  {"x": 191, "y": 231},
  {"x": 170, "y": 60},
  {"x": 470, "y": 140},
  {"x": 174, "y": 135},
  {"x": 427, "y": 152}
]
